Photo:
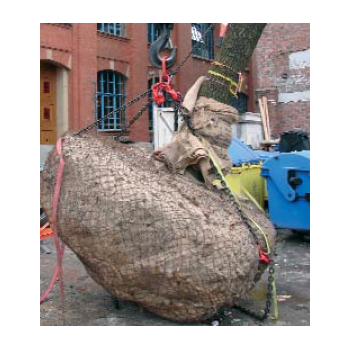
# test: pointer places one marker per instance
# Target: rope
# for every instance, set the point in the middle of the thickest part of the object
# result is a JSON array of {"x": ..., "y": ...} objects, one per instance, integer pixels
[
  {"x": 217, "y": 63},
  {"x": 59, "y": 247},
  {"x": 234, "y": 87}
]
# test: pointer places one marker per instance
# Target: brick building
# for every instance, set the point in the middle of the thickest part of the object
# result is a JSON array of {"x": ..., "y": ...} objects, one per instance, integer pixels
[
  {"x": 281, "y": 71},
  {"x": 89, "y": 69}
]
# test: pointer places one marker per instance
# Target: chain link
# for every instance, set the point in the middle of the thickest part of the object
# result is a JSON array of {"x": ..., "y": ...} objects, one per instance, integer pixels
[
  {"x": 133, "y": 120},
  {"x": 121, "y": 108},
  {"x": 269, "y": 296},
  {"x": 139, "y": 97},
  {"x": 246, "y": 221},
  {"x": 177, "y": 106}
]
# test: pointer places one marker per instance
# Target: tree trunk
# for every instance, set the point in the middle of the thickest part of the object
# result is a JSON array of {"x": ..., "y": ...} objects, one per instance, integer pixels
[{"x": 237, "y": 47}]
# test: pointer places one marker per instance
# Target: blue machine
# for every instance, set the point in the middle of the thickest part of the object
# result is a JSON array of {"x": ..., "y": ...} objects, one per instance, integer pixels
[
  {"x": 288, "y": 183},
  {"x": 265, "y": 155}
]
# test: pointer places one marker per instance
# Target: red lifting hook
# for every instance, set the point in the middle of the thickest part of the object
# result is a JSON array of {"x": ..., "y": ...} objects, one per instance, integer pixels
[
  {"x": 163, "y": 86},
  {"x": 263, "y": 257}
]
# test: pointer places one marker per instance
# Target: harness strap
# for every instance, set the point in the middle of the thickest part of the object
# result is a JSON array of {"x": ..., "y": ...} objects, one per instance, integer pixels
[
  {"x": 263, "y": 256},
  {"x": 234, "y": 87},
  {"x": 59, "y": 246},
  {"x": 262, "y": 231}
]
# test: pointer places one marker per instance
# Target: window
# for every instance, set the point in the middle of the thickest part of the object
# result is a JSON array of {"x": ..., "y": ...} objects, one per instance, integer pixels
[
  {"x": 203, "y": 46},
  {"x": 111, "y": 94},
  {"x": 153, "y": 32},
  {"x": 117, "y": 29}
]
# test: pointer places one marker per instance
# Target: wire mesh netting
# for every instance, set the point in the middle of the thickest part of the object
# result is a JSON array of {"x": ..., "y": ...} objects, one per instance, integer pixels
[{"x": 158, "y": 239}]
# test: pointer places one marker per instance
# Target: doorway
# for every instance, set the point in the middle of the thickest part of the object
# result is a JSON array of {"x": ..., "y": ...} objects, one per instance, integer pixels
[{"x": 48, "y": 104}]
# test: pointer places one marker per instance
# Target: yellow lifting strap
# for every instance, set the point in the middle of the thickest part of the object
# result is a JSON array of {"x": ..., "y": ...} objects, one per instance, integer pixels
[
  {"x": 234, "y": 87},
  {"x": 274, "y": 292}
]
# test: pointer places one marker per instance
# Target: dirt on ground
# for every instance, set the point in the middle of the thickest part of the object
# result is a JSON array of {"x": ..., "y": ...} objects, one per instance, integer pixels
[{"x": 88, "y": 304}]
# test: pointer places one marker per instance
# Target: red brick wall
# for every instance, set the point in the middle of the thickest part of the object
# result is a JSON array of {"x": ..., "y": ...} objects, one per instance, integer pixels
[
  {"x": 84, "y": 70},
  {"x": 294, "y": 116},
  {"x": 84, "y": 51},
  {"x": 274, "y": 76}
]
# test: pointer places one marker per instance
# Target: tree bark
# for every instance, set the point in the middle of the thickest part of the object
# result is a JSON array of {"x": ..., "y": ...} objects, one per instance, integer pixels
[{"x": 237, "y": 47}]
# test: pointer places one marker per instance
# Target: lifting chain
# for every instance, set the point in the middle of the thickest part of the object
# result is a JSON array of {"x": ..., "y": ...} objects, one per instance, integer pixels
[
  {"x": 134, "y": 118},
  {"x": 271, "y": 269},
  {"x": 177, "y": 105},
  {"x": 247, "y": 223},
  {"x": 121, "y": 108},
  {"x": 139, "y": 97}
]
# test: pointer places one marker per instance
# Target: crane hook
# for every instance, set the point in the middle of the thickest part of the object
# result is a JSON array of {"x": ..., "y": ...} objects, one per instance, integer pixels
[{"x": 159, "y": 44}]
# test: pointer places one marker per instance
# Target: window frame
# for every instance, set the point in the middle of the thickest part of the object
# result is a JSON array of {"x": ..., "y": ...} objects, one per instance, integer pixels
[
  {"x": 153, "y": 32},
  {"x": 110, "y": 85},
  {"x": 205, "y": 51},
  {"x": 119, "y": 29}
]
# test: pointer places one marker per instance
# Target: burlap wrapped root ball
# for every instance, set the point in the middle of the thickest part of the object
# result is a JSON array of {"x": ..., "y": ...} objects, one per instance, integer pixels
[{"x": 148, "y": 236}]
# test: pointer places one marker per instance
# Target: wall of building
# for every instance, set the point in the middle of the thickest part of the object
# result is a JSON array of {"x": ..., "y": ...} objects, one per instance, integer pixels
[
  {"x": 83, "y": 51},
  {"x": 281, "y": 71}
]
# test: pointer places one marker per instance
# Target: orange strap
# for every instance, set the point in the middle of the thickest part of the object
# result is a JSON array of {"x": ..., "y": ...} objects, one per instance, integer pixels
[
  {"x": 45, "y": 232},
  {"x": 59, "y": 246}
]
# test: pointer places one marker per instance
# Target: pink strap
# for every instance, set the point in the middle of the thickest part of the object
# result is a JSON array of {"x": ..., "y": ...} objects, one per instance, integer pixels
[{"x": 59, "y": 247}]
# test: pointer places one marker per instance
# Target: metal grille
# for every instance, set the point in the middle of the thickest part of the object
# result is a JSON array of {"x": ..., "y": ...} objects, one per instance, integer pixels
[
  {"x": 204, "y": 45},
  {"x": 153, "y": 32},
  {"x": 111, "y": 94},
  {"x": 117, "y": 29}
]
